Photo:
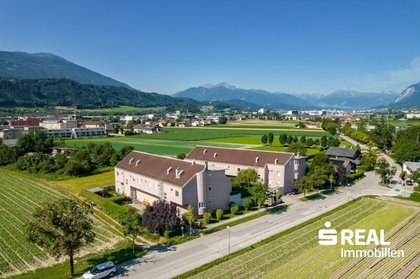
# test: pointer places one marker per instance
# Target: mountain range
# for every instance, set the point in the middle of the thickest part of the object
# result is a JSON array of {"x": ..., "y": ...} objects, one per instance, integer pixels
[
  {"x": 341, "y": 99},
  {"x": 23, "y": 65},
  {"x": 46, "y": 79}
]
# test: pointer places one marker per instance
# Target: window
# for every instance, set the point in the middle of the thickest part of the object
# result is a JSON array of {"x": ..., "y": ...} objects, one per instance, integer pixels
[
  {"x": 201, "y": 204},
  {"x": 176, "y": 193},
  {"x": 210, "y": 201},
  {"x": 209, "y": 188},
  {"x": 278, "y": 173},
  {"x": 239, "y": 169}
]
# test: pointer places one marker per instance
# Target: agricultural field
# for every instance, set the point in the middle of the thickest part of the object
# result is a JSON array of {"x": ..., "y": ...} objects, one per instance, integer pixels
[
  {"x": 19, "y": 198},
  {"x": 297, "y": 254},
  {"x": 181, "y": 140}
]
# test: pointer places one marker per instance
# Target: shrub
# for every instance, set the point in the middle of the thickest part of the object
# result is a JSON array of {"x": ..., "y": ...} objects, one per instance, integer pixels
[
  {"x": 120, "y": 199},
  {"x": 247, "y": 203},
  {"x": 233, "y": 209},
  {"x": 181, "y": 156},
  {"x": 219, "y": 214},
  {"x": 167, "y": 233},
  {"x": 206, "y": 218}
]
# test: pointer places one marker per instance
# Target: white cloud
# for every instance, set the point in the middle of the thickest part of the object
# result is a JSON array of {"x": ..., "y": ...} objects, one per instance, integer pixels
[
  {"x": 410, "y": 74},
  {"x": 393, "y": 80}
]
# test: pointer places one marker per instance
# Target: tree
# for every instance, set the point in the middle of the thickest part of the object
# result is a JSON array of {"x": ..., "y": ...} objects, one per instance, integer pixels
[
  {"x": 415, "y": 176},
  {"x": 297, "y": 148},
  {"x": 382, "y": 168},
  {"x": 264, "y": 139},
  {"x": 233, "y": 209},
  {"x": 320, "y": 159},
  {"x": 160, "y": 216},
  {"x": 270, "y": 138},
  {"x": 62, "y": 228},
  {"x": 283, "y": 139},
  {"x": 131, "y": 222},
  {"x": 34, "y": 141},
  {"x": 7, "y": 155},
  {"x": 289, "y": 140},
  {"x": 407, "y": 145},
  {"x": 304, "y": 184},
  {"x": 278, "y": 194},
  {"x": 247, "y": 203},
  {"x": 323, "y": 141},
  {"x": 222, "y": 119},
  {"x": 258, "y": 193},
  {"x": 340, "y": 174},
  {"x": 310, "y": 142},
  {"x": 319, "y": 178},
  {"x": 403, "y": 175},
  {"x": 303, "y": 139},
  {"x": 181, "y": 156},
  {"x": 301, "y": 125},
  {"x": 219, "y": 214},
  {"x": 245, "y": 177},
  {"x": 206, "y": 218},
  {"x": 382, "y": 135},
  {"x": 189, "y": 216}
]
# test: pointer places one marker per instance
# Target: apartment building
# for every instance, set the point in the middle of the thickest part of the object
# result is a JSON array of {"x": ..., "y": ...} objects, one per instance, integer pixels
[
  {"x": 277, "y": 170},
  {"x": 147, "y": 178}
]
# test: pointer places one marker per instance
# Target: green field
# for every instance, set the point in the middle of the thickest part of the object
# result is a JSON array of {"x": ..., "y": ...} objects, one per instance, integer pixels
[
  {"x": 181, "y": 140},
  {"x": 19, "y": 197},
  {"x": 297, "y": 254}
]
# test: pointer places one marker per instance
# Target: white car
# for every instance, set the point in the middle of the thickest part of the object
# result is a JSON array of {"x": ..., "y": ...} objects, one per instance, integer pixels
[{"x": 102, "y": 270}]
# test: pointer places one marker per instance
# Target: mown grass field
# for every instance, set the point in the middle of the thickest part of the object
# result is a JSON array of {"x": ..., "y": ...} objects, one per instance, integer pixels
[
  {"x": 296, "y": 253},
  {"x": 19, "y": 198},
  {"x": 181, "y": 140}
]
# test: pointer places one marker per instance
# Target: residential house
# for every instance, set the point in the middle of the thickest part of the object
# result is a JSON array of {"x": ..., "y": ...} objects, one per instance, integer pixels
[
  {"x": 147, "y": 178},
  {"x": 277, "y": 170}
]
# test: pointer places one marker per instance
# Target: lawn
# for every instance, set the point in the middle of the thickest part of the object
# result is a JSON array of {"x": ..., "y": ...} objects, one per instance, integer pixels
[
  {"x": 19, "y": 198},
  {"x": 296, "y": 253},
  {"x": 155, "y": 146}
]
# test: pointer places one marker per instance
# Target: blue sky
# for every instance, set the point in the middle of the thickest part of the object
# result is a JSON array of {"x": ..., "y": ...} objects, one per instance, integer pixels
[{"x": 285, "y": 46}]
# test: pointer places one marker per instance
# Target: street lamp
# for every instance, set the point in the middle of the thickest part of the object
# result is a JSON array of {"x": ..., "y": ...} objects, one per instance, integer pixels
[
  {"x": 228, "y": 228},
  {"x": 182, "y": 231}
]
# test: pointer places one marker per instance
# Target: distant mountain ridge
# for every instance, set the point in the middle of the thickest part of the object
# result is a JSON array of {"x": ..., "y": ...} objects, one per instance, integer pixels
[
  {"x": 66, "y": 92},
  {"x": 350, "y": 99},
  {"x": 225, "y": 92},
  {"x": 408, "y": 98},
  {"x": 23, "y": 65}
]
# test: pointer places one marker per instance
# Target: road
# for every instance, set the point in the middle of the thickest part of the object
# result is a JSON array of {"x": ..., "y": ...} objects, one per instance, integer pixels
[{"x": 166, "y": 262}]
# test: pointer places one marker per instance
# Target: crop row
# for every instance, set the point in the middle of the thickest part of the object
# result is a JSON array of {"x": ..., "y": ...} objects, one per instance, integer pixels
[
  {"x": 272, "y": 255},
  {"x": 277, "y": 251}
]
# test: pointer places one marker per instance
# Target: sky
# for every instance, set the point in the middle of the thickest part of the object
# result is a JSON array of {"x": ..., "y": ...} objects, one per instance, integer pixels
[{"x": 280, "y": 46}]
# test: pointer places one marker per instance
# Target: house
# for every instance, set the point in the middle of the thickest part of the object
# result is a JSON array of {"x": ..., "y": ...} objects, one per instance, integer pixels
[
  {"x": 346, "y": 157},
  {"x": 277, "y": 170},
  {"x": 25, "y": 121},
  {"x": 146, "y": 178},
  {"x": 410, "y": 167},
  {"x": 93, "y": 124},
  {"x": 313, "y": 125},
  {"x": 147, "y": 129},
  {"x": 341, "y": 162}
]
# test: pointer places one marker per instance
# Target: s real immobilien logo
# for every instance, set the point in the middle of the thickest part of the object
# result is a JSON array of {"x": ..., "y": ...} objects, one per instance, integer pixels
[{"x": 360, "y": 237}]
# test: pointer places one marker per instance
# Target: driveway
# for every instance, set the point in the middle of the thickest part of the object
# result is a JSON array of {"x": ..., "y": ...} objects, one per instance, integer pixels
[{"x": 166, "y": 262}]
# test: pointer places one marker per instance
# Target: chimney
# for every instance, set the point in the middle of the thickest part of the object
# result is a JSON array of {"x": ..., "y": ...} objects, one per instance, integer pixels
[
  {"x": 168, "y": 170},
  {"x": 256, "y": 159},
  {"x": 215, "y": 155},
  {"x": 206, "y": 164},
  {"x": 138, "y": 162},
  {"x": 204, "y": 151},
  {"x": 276, "y": 161},
  {"x": 193, "y": 162},
  {"x": 131, "y": 161},
  {"x": 178, "y": 173}
]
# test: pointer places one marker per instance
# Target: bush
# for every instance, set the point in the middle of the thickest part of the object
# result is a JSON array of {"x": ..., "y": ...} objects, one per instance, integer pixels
[
  {"x": 120, "y": 199},
  {"x": 247, "y": 203},
  {"x": 181, "y": 156},
  {"x": 357, "y": 175},
  {"x": 167, "y": 233},
  {"x": 206, "y": 218},
  {"x": 219, "y": 214},
  {"x": 234, "y": 209}
]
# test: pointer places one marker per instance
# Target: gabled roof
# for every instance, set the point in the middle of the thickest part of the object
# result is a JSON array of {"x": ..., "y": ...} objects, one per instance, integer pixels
[
  {"x": 412, "y": 166},
  {"x": 157, "y": 167},
  {"x": 244, "y": 157},
  {"x": 342, "y": 152}
]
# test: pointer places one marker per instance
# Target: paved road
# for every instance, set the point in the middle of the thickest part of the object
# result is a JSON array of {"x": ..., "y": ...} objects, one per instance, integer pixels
[{"x": 164, "y": 262}]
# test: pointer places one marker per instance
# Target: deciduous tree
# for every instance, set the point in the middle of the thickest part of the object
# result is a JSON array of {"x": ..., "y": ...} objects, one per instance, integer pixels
[{"x": 62, "y": 228}]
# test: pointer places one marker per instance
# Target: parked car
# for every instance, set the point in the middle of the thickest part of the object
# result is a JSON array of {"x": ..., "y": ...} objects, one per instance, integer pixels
[
  {"x": 106, "y": 269},
  {"x": 409, "y": 183}
]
